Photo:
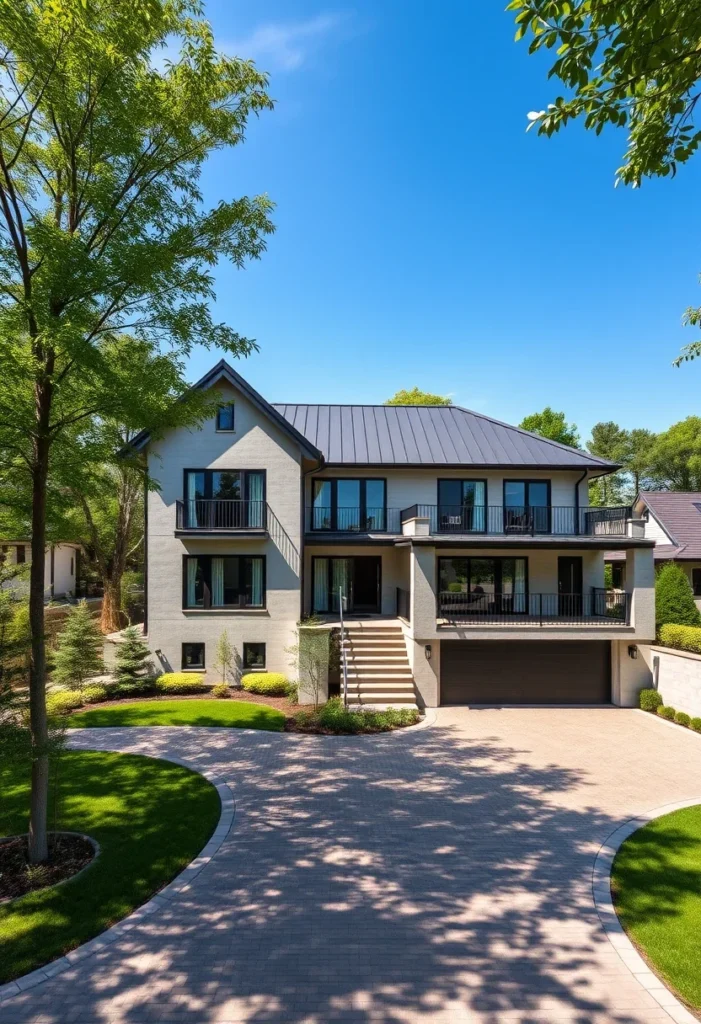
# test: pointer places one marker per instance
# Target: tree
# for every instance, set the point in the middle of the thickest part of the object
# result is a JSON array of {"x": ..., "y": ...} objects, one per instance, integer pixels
[
  {"x": 637, "y": 461},
  {"x": 102, "y": 231},
  {"x": 312, "y": 655},
  {"x": 416, "y": 397},
  {"x": 608, "y": 441},
  {"x": 675, "y": 457},
  {"x": 552, "y": 425},
  {"x": 79, "y": 645},
  {"x": 131, "y": 658},
  {"x": 674, "y": 598},
  {"x": 226, "y": 657},
  {"x": 631, "y": 64}
]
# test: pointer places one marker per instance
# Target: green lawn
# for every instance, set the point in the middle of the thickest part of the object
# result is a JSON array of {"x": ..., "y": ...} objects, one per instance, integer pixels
[
  {"x": 151, "y": 818},
  {"x": 657, "y": 891},
  {"x": 233, "y": 714}
]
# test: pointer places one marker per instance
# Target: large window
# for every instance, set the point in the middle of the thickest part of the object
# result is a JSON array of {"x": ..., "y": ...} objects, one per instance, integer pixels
[
  {"x": 355, "y": 505},
  {"x": 527, "y": 506},
  {"x": 224, "y": 581},
  {"x": 483, "y": 584},
  {"x": 462, "y": 506},
  {"x": 224, "y": 499}
]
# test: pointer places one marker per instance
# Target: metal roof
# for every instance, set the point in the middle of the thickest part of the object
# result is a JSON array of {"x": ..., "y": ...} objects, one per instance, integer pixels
[{"x": 425, "y": 435}]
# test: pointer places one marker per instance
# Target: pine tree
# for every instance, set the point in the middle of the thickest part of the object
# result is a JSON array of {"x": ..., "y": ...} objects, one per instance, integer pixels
[
  {"x": 674, "y": 598},
  {"x": 79, "y": 652},
  {"x": 132, "y": 657}
]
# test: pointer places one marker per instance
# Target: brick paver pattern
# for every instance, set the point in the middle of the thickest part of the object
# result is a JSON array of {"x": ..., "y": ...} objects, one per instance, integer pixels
[{"x": 441, "y": 875}]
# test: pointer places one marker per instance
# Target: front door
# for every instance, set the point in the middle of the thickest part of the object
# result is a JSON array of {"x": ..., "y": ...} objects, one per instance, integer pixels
[
  {"x": 354, "y": 580},
  {"x": 569, "y": 586},
  {"x": 366, "y": 584}
]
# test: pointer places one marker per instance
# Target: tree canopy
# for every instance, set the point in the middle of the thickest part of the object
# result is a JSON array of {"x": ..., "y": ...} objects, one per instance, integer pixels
[
  {"x": 552, "y": 424},
  {"x": 416, "y": 397}
]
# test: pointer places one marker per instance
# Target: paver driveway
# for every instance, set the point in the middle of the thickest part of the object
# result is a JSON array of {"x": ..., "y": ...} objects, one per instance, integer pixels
[{"x": 433, "y": 876}]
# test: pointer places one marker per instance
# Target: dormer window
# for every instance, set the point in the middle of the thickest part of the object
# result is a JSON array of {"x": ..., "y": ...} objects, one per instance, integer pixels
[{"x": 225, "y": 417}]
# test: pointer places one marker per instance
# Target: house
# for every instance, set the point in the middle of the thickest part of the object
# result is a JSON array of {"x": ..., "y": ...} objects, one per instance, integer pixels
[
  {"x": 673, "y": 521},
  {"x": 60, "y": 572},
  {"x": 463, "y": 551}
]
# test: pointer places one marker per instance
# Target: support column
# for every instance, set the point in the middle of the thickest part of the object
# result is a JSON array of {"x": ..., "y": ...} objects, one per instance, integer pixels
[
  {"x": 640, "y": 587},
  {"x": 423, "y": 624}
]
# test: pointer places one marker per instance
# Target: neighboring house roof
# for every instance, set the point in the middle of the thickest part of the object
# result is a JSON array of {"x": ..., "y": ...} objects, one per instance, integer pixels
[
  {"x": 679, "y": 515},
  {"x": 222, "y": 371},
  {"x": 412, "y": 435}
]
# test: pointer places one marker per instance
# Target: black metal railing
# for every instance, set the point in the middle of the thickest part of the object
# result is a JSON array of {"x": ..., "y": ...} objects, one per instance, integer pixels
[
  {"x": 482, "y": 607},
  {"x": 221, "y": 514},
  {"x": 403, "y": 604},
  {"x": 353, "y": 519},
  {"x": 562, "y": 520}
]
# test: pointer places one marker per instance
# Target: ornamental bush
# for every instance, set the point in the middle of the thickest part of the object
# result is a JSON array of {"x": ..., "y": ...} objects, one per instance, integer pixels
[
  {"x": 272, "y": 684},
  {"x": 696, "y": 724},
  {"x": 94, "y": 693},
  {"x": 683, "y": 638},
  {"x": 334, "y": 717},
  {"x": 681, "y": 718},
  {"x": 665, "y": 712},
  {"x": 650, "y": 700},
  {"x": 674, "y": 598},
  {"x": 131, "y": 657},
  {"x": 140, "y": 688},
  {"x": 181, "y": 682},
  {"x": 220, "y": 690},
  {"x": 63, "y": 702}
]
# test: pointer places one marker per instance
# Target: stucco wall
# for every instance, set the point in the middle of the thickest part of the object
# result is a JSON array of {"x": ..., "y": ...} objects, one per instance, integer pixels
[
  {"x": 675, "y": 674},
  {"x": 257, "y": 443},
  {"x": 64, "y": 569}
]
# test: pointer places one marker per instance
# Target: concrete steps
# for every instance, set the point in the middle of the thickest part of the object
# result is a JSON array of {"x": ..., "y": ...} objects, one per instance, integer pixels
[{"x": 378, "y": 667}]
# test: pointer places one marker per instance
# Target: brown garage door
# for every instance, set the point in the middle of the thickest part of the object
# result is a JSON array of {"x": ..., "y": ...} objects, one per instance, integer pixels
[{"x": 525, "y": 672}]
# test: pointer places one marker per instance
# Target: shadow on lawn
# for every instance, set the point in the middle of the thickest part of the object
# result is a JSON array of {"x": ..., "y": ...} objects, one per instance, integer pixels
[
  {"x": 375, "y": 880},
  {"x": 232, "y": 716}
]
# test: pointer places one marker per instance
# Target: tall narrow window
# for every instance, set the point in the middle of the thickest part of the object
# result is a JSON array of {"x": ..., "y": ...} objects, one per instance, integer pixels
[
  {"x": 225, "y": 416},
  {"x": 21, "y": 556}
]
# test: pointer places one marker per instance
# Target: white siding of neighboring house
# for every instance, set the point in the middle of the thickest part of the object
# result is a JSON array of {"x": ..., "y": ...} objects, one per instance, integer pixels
[
  {"x": 64, "y": 569},
  {"x": 256, "y": 444}
]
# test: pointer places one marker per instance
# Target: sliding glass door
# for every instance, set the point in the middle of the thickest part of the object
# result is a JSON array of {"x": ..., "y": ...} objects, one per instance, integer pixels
[
  {"x": 355, "y": 505},
  {"x": 527, "y": 506},
  {"x": 462, "y": 506},
  {"x": 483, "y": 585},
  {"x": 225, "y": 499},
  {"x": 355, "y": 581}
]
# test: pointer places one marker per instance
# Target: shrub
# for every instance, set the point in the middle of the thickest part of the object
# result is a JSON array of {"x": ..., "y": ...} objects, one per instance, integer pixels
[
  {"x": 220, "y": 690},
  {"x": 131, "y": 657},
  {"x": 696, "y": 724},
  {"x": 650, "y": 700},
  {"x": 79, "y": 648},
  {"x": 140, "y": 688},
  {"x": 334, "y": 717},
  {"x": 63, "y": 702},
  {"x": 273, "y": 684},
  {"x": 94, "y": 693},
  {"x": 684, "y": 638},
  {"x": 181, "y": 682},
  {"x": 674, "y": 598},
  {"x": 664, "y": 712},
  {"x": 681, "y": 718}
]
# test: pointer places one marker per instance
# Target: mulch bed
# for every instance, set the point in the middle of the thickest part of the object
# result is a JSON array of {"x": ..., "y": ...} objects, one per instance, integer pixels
[
  {"x": 281, "y": 703},
  {"x": 68, "y": 854},
  {"x": 313, "y": 729}
]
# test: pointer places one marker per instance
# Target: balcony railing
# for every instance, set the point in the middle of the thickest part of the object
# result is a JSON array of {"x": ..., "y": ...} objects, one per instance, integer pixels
[
  {"x": 562, "y": 520},
  {"x": 212, "y": 514},
  {"x": 480, "y": 607},
  {"x": 353, "y": 519}
]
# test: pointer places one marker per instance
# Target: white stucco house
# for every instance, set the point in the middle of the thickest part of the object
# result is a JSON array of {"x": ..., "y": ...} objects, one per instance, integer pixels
[
  {"x": 469, "y": 565},
  {"x": 60, "y": 573},
  {"x": 672, "y": 520}
]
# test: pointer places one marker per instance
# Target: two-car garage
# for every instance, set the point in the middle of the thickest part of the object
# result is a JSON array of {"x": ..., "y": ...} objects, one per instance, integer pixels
[{"x": 525, "y": 672}]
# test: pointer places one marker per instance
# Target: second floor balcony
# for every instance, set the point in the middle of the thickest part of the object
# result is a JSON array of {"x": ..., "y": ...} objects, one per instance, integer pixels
[
  {"x": 217, "y": 515},
  {"x": 496, "y": 520}
]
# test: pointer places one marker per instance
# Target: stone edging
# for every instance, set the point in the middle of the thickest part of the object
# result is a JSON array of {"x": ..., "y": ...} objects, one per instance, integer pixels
[
  {"x": 62, "y": 832},
  {"x": 180, "y": 884},
  {"x": 615, "y": 933},
  {"x": 666, "y": 721}
]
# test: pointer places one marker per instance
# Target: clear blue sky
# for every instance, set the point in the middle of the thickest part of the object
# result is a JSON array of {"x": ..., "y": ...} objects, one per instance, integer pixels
[{"x": 424, "y": 238}]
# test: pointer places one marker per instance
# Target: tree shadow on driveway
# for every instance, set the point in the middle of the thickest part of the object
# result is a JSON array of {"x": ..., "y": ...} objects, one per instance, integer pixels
[{"x": 422, "y": 877}]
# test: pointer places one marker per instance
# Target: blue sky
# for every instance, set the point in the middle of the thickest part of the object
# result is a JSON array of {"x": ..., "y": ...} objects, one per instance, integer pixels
[{"x": 424, "y": 238}]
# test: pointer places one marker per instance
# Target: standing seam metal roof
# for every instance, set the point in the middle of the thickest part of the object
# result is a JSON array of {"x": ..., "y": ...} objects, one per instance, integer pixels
[{"x": 413, "y": 435}]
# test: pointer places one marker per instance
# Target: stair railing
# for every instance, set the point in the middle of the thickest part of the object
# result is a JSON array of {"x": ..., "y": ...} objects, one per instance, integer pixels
[{"x": 344, "y": 659}]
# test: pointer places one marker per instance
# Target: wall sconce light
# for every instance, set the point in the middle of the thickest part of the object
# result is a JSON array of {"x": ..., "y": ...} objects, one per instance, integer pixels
[
  {"x": 158, "y": 652},
  {"x": 427, "y": 652},
  {"x": 633, "y": 652}
]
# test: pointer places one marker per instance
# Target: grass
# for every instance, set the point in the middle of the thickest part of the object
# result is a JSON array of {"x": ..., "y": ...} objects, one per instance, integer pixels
[
  {"x": 232, "y": 714},
  {"x": 151, "y": 818},
  {"x": 657, "y": 892}
]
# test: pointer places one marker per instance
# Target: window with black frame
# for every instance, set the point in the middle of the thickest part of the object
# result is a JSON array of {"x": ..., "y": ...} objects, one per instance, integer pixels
[
  {"x": 527, "y": 506},
  {"x": 225, "y": 418},
  {"x": 253, "y": 657},
  {"x": 225, "y": 499},
  {"x": 462, "y": 506},
  {"x": 192, "y": 656},
  {"x": 223, "y": 581},
  {"x": 481, "y": 586},
  {"x": 354, "y": 505}
]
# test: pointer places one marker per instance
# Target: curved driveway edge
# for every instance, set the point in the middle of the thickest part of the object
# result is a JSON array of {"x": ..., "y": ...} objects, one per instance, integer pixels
[
  {"x": 163, "y": 897},
  {"x": 615, "y": 932}
]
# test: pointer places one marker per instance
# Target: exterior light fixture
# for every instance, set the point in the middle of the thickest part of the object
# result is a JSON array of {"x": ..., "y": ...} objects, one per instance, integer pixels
[
  {"x": 633, "y": 652},
  {"x": 427, "y": 652}
]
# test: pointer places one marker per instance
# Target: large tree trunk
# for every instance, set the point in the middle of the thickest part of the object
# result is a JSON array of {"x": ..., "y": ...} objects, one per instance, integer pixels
[
  {"x": 111, "y": 619},
  {"x": 38, "y": 846}
]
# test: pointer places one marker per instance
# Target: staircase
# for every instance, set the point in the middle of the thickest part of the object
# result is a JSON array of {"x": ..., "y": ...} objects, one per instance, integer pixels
[{"x": 378, "y": 666}]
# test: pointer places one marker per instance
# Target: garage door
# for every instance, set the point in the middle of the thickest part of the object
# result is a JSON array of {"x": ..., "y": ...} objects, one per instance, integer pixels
[{"x": 525, "y": 672}]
